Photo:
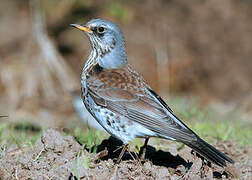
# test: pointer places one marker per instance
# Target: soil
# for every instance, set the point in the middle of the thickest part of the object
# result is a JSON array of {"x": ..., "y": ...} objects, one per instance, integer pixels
[{"x": 55, "y": 156}]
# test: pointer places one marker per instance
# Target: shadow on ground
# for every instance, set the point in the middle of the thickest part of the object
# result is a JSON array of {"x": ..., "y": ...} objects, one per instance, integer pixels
[{"x": 157, "y": 157}]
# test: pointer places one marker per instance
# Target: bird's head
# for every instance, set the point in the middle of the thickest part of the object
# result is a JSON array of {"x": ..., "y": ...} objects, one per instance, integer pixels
[{"x": 107, "y": 40}]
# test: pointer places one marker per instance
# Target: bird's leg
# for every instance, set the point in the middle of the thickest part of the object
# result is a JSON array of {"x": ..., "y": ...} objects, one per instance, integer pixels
[
  {"x": 125, "y": 147},
  {"x": 137, "y": 158},
  {"x": 118, "y": 148},
  {"x": 128, "y": 149},
  {"x": 142, "y": 156}
]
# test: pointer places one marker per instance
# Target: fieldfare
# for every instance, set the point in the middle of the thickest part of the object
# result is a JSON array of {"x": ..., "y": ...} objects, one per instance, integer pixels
[{"x": 121, "y": 100}]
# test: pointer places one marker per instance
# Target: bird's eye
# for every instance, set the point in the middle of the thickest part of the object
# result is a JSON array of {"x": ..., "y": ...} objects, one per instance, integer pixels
[{"x": 100, "y": 30}]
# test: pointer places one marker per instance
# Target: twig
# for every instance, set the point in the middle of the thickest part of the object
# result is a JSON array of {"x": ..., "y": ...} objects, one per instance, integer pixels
[
  {"x": 36, "y": 158},
  {"x": 16, "y": 173}
]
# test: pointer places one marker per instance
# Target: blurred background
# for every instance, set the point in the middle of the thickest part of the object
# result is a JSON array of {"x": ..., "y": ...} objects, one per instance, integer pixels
[{"x": 185, "y": 49}]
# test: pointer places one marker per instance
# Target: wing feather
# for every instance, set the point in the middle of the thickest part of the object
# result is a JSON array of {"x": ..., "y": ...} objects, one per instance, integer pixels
[{"x": 143, "y": 106}]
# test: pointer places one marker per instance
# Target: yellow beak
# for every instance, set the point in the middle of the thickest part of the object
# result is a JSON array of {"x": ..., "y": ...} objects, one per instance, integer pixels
[{"x": 82, "y": 28}]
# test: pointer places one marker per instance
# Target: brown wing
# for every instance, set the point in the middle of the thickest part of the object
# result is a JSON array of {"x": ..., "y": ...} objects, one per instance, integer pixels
[{"x": 124, "y": 91}]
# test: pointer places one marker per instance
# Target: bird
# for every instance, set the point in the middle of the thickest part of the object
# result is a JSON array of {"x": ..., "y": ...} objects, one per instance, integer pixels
[
  {"x": 82, "y": 112},
  {"x": 123, "y": 103}
]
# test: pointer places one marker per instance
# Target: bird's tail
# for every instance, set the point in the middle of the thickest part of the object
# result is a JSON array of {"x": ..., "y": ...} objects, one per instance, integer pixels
[{"x": 209, "y": 152}]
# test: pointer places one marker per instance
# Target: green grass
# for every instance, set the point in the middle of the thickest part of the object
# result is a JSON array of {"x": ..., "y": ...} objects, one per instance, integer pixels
[
  {"x": 206, "y": 122},
  {"x": 81, "y": 159},
  {"x": 209, "y": 124},
  {"x": 19, "y": 133},
  {"x": 89, "y": 137},
  {"x": 224, "y": 130}
]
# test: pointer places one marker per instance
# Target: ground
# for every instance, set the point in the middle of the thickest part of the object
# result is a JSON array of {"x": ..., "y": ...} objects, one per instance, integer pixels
[
  {"x": 30, "y": 151},
  {"x": 57, "y": 156}
]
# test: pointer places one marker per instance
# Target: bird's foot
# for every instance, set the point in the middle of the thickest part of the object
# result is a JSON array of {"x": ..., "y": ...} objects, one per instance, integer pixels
[
  {"x": 142, "y": 154},
  {"x": 124, "y": 148}
]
